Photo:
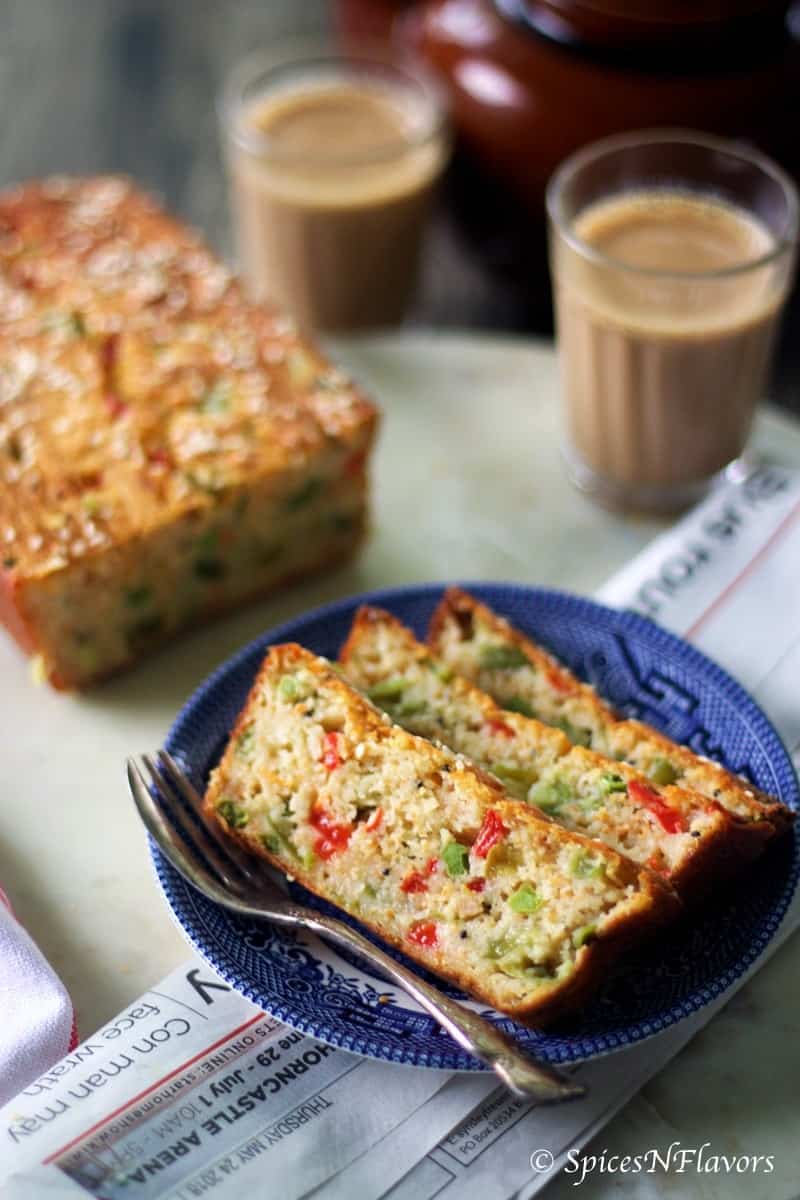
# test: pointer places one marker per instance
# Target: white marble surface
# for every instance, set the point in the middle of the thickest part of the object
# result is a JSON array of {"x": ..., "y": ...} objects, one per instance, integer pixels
[{"x": 467, "y": 485}]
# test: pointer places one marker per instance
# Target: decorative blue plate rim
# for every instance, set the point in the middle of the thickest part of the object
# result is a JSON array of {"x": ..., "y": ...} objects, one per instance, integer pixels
[{"x": 290, "y": 975}]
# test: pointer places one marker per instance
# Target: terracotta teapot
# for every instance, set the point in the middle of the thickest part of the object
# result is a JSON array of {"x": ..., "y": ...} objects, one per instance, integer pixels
[{"x": 531, "y": 80}]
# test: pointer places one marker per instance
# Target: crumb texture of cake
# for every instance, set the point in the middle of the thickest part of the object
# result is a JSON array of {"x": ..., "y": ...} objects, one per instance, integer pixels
[
  {"x": 167, "y": 449},
  {"x": 522, "y": 677},
  {"x": 422, "y": 847},
  {"x": 668, "y": 829}
]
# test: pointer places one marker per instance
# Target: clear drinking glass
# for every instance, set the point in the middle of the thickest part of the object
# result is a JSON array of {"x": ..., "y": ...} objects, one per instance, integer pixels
[
  {"x": 671, "y": 257},
  {"x": 333, "y": 157}
]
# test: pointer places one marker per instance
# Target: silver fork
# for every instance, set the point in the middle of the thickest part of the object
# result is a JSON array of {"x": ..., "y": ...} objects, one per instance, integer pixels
[{"x": 226, "y": 874}]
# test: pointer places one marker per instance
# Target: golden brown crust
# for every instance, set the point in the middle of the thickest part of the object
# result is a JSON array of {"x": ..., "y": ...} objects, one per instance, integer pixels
[
  {"x": 653, "y": 904},
  {"x": 768, "y": 817}
]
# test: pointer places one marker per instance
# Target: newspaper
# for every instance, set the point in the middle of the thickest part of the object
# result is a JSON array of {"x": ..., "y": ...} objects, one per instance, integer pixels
[{"x": 192, "y": 1091}]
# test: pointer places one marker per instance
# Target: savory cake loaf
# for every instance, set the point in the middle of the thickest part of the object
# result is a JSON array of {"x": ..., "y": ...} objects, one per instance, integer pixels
[
  {"x": 167, "y": 449},
  {"x": 671, "y": 830},
  {"x": 425, "y": 849},
  {"x": 477, "y": 643}
]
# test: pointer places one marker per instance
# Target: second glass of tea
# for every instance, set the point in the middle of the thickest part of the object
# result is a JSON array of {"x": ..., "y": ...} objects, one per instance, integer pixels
[{"x": 672, "y": 255}]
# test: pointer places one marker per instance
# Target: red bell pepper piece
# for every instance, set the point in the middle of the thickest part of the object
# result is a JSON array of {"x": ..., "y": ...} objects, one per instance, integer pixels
[
  {"x": 331, "y": 756},
  {"x": 477, "y": 884},
  {"x": 668, "y": 818},
  {"x": 333, "y": 835},
  {"x": 414, "y": 882},
  {"x": 495, "y": 725},
  {"x": 423, "y": 933},
  {"x": 491, "y": 832}
]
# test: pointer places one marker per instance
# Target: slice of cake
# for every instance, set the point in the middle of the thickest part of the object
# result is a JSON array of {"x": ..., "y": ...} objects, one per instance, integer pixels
[
  {"x": 167, "y": 449},
  {"x": 673, "y": 831},
  {"x": 477, "y": 643},
  {"x": 423, "y": 848}
]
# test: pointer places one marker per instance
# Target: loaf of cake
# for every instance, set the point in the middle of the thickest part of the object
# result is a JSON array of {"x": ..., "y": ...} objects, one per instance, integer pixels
[
  {"x": 423, "y": 848},
  {"x": 480, "y": 645},
  {"x": 664, "y": 827},
  {"x": 167, "y": 449}
]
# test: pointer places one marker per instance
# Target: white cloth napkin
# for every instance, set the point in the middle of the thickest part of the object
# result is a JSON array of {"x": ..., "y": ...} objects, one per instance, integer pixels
[{"x": 37, "y": 1021}]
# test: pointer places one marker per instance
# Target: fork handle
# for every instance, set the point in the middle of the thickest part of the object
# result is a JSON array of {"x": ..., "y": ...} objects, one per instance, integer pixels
[{"x": 522, "y": 1075}]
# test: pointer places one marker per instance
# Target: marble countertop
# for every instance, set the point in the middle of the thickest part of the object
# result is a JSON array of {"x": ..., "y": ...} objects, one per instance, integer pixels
[{"x": 468, "y": 485}]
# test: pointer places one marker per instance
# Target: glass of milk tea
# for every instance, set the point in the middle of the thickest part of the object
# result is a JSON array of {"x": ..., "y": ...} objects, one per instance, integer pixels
[
  {"x": 671, "y": 257},
  {"x": 333, "y": 158}
]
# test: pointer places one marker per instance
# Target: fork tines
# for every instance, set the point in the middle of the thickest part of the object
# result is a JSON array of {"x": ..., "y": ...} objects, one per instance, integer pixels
[{"x": 172, "y": 809}]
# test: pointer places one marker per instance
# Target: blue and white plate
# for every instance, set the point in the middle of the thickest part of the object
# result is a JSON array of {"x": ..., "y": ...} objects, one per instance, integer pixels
[{"x": 646, "y": 673}]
